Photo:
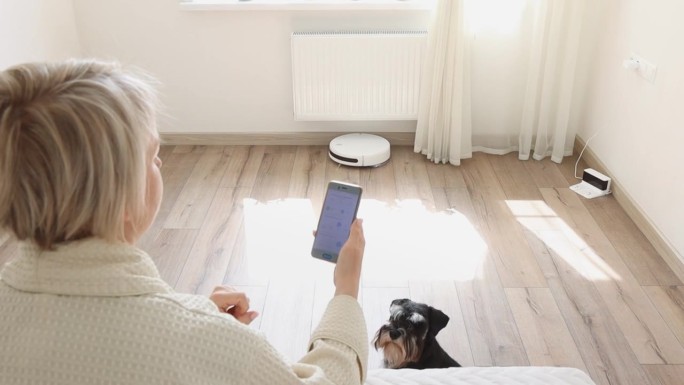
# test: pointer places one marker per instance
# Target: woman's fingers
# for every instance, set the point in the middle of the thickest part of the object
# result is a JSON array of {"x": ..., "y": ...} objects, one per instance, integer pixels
[
  {"x": 248, "y": 317},
  {"x": 348, "y": 269},
  {"x": 233, "y": 302}
]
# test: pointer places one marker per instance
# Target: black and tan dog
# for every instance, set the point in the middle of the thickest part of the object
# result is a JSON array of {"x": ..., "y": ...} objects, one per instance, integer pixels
[{"x": 408, "y": 339}]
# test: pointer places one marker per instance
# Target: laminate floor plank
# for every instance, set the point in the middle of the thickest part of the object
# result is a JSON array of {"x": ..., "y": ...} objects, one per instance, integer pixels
[
  {"x": 647, "y": 266},
  {"x": 445, "y": 175},
  {"x": 194, "y": 200},
  {"x": 604, "y": 348},
  {"x": 647, "y": 333},
  {"x": 379, "y": 183},
  {"x": 308, "y": 174},
  {"x": 515, "y": 179},
  {"x": 170, "y": 250},
  {"x": 272, "y": 181},
  {"x": 240, "y": 270},
  {"x": 492, "y": 331},
  {"x": 176, "y": 169},
  {"x": 546, "y": 173},
  {"x": 411, "y": 176},
  {"x": 669, "y": 300},
  {"x": 287, "y": 315},
  {"x": 513, "y": 258},
  {"x": 210, "y": 255},
  {"x": 546, "y": 337},
  {"x": 665, "y": 374},
  {"x": 243, "y": 166}
]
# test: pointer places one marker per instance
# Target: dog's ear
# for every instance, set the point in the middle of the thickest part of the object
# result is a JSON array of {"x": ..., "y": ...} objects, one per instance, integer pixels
[
  {"x": 399, "y": 302},
  {"x": 438, "y": 320}
]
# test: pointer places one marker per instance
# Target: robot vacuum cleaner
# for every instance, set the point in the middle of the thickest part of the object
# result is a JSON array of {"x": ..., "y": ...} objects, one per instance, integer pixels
[{"x": 360, "y": 150}]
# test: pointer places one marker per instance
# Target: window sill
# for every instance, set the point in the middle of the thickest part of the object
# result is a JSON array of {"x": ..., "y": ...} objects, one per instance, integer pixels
[{"x": 304, "y": 5}]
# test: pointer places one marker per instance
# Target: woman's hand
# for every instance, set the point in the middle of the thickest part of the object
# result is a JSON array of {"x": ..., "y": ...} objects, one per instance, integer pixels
[
  {"x": 233, "y": 302},
  {"x": 348, "y": 268}
]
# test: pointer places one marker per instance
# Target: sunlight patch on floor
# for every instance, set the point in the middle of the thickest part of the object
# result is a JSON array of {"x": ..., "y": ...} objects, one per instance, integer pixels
[
  {"x": 278, "y": 239},
  {"x": 541, "y": 220},
  {"x": 404, "y": 241},
  {"x": 407, "y": 241}
]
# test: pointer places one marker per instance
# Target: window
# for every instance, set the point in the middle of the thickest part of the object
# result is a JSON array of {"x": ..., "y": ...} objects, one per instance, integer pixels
[{"x": 306, "y": 5}]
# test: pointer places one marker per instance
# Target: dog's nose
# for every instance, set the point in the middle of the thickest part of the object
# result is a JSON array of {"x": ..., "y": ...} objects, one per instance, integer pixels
[{"x": 394, "y": 334}]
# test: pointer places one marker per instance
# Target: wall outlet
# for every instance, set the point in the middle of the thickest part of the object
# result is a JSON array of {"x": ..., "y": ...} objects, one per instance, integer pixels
[{"x": 645, "y": 69}]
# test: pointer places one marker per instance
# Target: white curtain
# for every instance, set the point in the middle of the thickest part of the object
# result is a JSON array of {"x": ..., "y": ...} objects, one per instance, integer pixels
[{"x": 498, "y": 77}]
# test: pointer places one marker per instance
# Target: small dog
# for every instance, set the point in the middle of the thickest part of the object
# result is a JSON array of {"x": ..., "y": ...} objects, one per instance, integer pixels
[{"x": 408, "y": 339}]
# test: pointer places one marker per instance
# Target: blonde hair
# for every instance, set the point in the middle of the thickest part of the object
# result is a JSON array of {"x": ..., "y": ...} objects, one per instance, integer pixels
[{"x": 73, "y": 140}]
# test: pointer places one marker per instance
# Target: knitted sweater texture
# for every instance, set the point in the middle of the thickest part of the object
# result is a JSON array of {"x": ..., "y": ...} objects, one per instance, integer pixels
[{"x": 93, "y": 312}]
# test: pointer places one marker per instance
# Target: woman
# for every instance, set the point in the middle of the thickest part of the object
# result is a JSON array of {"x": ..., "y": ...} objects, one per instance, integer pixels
[{"x": 79, "y": 184}]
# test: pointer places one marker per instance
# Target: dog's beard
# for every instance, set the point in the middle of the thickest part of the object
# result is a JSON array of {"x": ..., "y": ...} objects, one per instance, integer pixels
[{"x": 398, "y": 352}]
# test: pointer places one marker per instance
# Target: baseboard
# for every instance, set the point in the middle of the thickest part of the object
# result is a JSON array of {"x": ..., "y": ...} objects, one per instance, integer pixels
[
  {"x": 659, "y": 242},
  {"x": 273, "y": 138}
]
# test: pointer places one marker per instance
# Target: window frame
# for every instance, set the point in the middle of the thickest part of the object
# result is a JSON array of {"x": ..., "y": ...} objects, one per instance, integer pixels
[{"x": 304, "y": 5}]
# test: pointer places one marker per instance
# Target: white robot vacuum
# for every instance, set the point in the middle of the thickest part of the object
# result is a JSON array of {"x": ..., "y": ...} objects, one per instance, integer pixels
[{"x": 360, "y": 150}]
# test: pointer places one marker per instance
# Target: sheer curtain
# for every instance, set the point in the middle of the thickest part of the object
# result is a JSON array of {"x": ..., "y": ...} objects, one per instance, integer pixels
[{"x": 498, "y": 77}]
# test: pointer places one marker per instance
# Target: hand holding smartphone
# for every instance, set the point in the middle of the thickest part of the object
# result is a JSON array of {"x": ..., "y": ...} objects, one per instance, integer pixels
[{"x": 337, "y": 214}]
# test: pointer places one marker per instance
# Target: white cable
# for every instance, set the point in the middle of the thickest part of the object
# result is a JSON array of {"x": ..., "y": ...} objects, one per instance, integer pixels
[{"x": 582, "y": 152}]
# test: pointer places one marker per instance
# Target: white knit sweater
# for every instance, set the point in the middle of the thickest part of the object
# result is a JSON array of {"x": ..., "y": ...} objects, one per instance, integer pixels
[{"x": 93, "y": 312}]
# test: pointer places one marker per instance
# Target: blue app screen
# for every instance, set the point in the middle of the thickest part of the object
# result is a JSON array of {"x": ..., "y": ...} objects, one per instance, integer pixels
[{"x": 336, "y": 218}]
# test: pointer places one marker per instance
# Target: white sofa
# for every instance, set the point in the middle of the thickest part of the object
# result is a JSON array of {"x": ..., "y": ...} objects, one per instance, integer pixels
[{"x": 522, "y": 375}]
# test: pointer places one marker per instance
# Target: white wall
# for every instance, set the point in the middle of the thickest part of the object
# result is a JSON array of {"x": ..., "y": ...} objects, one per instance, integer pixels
[
  {"x": 640, "y": 125},
  {"x": 36, "y": 30},
  {"x": 223, "y": 71}
]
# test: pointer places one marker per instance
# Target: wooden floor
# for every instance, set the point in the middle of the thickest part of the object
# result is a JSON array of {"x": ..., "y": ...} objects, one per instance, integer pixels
[{"x": 529, "y": 272}]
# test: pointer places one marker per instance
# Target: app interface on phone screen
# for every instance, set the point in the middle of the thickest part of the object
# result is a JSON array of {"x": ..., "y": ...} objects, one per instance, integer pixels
[{"x": 336, "y": 218}]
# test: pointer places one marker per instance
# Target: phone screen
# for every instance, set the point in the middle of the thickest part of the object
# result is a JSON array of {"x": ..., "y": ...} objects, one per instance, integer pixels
[{"x": 337, "y": 214}]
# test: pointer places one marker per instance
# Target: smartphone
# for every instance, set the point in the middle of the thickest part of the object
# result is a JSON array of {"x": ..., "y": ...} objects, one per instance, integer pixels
[{"x": 337, "y": 214}]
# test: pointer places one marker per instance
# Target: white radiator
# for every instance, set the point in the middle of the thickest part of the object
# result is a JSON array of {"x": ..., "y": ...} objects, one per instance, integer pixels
[{"x": 356, "y": 76}]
